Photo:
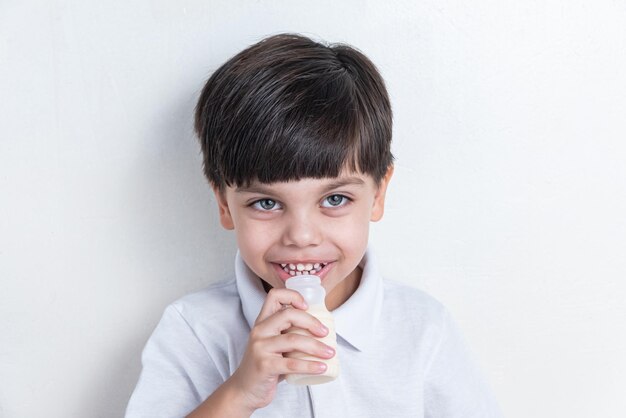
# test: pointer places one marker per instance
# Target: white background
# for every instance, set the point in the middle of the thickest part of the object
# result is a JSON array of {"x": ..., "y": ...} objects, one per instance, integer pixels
[{"x": 508, "y": 202}]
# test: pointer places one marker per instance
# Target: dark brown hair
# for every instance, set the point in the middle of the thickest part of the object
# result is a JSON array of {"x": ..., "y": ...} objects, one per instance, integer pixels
[{"x": 288, "y": 108}]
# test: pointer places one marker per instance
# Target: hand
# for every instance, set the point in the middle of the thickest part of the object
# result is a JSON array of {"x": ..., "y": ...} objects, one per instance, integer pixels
[{"x": 263, "y": 365}]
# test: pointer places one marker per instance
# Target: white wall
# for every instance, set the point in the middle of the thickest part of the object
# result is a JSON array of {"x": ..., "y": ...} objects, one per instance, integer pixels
[{"x": 508, "y": 203}]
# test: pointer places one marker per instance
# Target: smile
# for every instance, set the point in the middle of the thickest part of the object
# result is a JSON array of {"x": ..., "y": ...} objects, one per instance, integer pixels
[
  {"x": 289, "y": 269},
  {"x": 297, "y": 269}
]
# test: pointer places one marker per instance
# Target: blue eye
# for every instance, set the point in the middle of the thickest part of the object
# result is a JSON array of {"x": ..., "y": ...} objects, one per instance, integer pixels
[
  {"x": 336, "y": 200},
  {"x": 264, "y": 205}
]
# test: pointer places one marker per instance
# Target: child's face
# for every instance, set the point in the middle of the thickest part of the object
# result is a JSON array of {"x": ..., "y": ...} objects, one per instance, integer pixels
[{"x": 323, "y": 221}]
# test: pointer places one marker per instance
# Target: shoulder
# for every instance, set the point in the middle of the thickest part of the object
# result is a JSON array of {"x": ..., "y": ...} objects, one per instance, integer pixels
[
  {"x": 413, "y": 310},
  {"x": 217, "y": 304}
]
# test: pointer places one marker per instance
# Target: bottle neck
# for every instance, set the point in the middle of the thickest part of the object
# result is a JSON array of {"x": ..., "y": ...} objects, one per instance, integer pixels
[{"x": 309, "y": 287}]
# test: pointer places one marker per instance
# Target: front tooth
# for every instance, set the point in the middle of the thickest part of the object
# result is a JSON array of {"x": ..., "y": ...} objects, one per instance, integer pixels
[
  {"x": 308, "y": 267},
  {"x": 293, "y": 273},
  {"x": 298, "y": 273},
  {"x": 316, "y": 266},
  {"x": 300, "y": 267},
  {"x": 292, "y": 267}
]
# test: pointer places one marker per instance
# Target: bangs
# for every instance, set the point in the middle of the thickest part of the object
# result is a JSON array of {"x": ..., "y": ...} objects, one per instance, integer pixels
[{"x": 288, "y": 137}]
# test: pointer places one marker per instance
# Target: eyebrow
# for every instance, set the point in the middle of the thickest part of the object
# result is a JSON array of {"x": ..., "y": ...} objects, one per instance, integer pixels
[{"x": 257, "y": 188}]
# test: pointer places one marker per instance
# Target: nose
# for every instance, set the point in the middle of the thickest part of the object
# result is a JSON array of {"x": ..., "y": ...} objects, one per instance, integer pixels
[{"x": 302, "y": 230}]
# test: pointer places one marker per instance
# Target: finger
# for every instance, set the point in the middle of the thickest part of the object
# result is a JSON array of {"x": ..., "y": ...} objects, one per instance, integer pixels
[
  {"x": 276, "y": 300},
  {"x": 288, "y": 318},
  {"x": 285, "y": 343},
  {"x": 291, "y": 365}
]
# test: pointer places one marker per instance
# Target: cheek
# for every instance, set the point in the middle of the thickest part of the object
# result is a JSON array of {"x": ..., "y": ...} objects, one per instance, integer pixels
[
  {"x": 351, "y": 230},
  {"x": 254, "y": 235}
]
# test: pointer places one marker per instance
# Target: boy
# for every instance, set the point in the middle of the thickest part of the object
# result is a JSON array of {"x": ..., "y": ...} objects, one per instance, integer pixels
[{"x": 296, "y": 143}]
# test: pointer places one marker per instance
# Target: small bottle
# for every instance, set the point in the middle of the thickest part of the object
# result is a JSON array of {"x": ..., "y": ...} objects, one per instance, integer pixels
[{"x": 309, "y": 286}]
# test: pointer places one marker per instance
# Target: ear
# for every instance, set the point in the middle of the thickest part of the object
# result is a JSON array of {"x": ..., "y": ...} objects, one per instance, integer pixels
[
  {"x": 379, "y": 199},
  {"x": 225, "y": 217}
]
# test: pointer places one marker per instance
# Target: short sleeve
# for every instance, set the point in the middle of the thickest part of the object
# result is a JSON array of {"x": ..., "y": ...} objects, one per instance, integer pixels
[
  {"x": 454, "y": 387},
  {"x": 176, "y": 369}
]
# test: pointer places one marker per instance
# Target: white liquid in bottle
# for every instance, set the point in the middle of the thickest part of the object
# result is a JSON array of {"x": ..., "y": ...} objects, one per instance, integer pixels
[{"x": 310, "y": 288}]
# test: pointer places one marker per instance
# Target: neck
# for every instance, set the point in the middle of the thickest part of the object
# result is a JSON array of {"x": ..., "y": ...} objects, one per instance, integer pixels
[
  {"x": 266, "y": 285},
  {"x": 344, "y": 290}
]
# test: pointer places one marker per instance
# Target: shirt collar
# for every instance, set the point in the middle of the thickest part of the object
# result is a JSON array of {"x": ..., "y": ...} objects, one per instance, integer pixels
[{"x": 355, "y": 321}]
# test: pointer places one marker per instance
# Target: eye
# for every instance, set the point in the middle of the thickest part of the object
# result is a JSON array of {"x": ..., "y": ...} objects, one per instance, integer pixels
[
  {"x": 264, "y": 205},
  {"x": 336, "y": 200}
]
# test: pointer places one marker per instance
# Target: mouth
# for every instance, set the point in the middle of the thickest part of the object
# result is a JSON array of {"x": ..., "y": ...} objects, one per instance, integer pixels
[{"x": 287, "y": 270}]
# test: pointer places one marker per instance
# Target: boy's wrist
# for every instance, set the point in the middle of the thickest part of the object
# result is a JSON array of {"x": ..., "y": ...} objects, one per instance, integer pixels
[
  {"x": 226, "y": 402},
  {"x": 237, "y": 400}
]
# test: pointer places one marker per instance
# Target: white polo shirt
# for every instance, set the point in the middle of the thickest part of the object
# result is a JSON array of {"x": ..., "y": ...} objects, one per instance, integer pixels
[{"x": 400, "y": 355}]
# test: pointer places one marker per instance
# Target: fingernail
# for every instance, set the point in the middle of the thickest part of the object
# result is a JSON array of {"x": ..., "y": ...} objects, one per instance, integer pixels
[
  {"x": 321, "y": 366},
  {"x": 323, "y": 328}
]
